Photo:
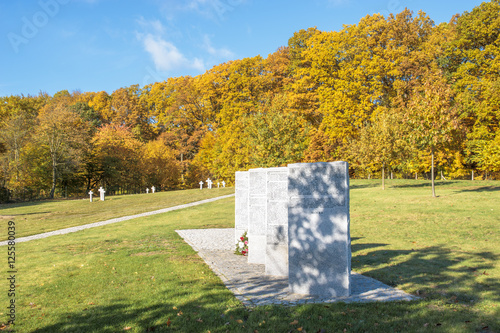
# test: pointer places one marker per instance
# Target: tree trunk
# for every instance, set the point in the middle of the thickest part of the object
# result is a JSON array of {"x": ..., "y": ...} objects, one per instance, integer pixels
[
  {"x": 54, "y": 179},
  {"x": 472, "y": 174},
  {"x": 432, "y": 172},
  {"x": 383, "y": 176}
]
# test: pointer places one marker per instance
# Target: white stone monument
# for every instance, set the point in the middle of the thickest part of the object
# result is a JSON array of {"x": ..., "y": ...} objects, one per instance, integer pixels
[
  {"x": 319, "y": 252},
  {"x": 91, "y": 193},
  {"x": 147, "y": 189},
  {"x": 277, "y": 222},
  {"x": 241, "y": 204},
  {"x": 153, "y": 189},
  {"x": 218, "y": 184},
  {"x": 201, "y": 185},
  {"x": 101, "y": 191},
  {"x": 209, "y": 183},
  {"x": 257, "y": 202},
  {"x": 223, "y": 184}
]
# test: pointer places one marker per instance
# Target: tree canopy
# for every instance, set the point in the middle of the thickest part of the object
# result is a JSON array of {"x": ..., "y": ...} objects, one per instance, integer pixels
[{"x": 395, "y": 93}]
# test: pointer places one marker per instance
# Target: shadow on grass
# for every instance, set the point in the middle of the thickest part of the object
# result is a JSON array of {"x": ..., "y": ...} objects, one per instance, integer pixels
[
  {"x": 369, "y": 185},
  {"x": 436, "y": 272},
  {"x": 423, "y": 184},
  {"x": 212, "y": 312},
  {"x": 161, "y": 315},
  {"x": 35, "y": 213},
  {"x": 482, "y": 189}
]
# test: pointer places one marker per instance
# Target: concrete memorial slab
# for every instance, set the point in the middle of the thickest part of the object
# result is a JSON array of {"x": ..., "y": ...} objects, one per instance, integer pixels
[
  {"x": 319, "y": 252},
  {"x": 241, "y": 204},
  {"x": 277, "y": 222},
  {"x": 257, "y": 203}
]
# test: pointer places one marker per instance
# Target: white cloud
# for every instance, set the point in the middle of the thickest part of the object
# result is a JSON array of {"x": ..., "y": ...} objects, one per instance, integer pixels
[
  {"x": 220, "y": 53},
  {"x": 337, "y": 3},
  {"x": 215, "y": 10},
  {"x": 167, "y": 57},
  {"x": 154, "y": 25}
]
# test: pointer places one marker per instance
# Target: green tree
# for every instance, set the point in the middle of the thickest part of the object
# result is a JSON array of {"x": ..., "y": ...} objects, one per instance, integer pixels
[
  {"x": 61, "y": 134},
  {"x": 277, "y": 137},
  {"x": 433, "y": 118},
  {"x": 377, "y": 145},
  {"x": 472, "y": 60},
  {"x": 118, "y": 154}
]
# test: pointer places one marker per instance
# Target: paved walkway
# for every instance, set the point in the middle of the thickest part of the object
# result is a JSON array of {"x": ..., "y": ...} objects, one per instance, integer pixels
[
  {"x": 115, "y": 220},
  {"x": 253, "y": 288}
]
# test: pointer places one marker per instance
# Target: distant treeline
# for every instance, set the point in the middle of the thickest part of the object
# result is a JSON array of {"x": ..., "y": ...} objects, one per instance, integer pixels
[{"x": 387, "y": 94}]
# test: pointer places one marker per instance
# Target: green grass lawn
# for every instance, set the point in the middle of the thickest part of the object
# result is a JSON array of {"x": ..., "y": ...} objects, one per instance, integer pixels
[
  {"x": 139, "y": 276},
  {"x": 43, "y": 216}
]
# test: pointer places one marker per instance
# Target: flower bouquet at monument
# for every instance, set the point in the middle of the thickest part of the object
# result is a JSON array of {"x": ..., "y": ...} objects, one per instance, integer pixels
[{"x": 242, "y": 245}]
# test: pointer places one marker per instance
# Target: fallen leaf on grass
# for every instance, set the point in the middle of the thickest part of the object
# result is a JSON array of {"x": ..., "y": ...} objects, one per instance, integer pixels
[
  {"x": 174, "y": 307},
  {"x": 295, "y": 322},
  {"x": 299, "y": 329},
  {"x": 127, "y": 328},
  {"x": 199, "y": 320},
  {"x": 239, "y": 321},
  {"x": 179, "y": 313},
  {"x": 168, "y": 322}
]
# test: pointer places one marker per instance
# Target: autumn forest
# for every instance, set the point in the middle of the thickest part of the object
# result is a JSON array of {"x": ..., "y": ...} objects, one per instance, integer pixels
[{"x": 390, "y": 95}]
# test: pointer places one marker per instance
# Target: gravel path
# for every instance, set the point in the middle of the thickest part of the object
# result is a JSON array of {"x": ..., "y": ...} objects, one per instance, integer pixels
[
  {"x": 115, "y": 220},
  {"x": 252, "y": 287}
]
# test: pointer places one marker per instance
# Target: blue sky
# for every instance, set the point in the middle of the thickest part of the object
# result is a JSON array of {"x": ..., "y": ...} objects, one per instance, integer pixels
[{"x": 94, "y": 45}]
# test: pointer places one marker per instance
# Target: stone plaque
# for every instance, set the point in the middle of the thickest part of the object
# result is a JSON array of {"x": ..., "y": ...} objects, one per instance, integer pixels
[
  {"x": 241, "y": 204},
  {"x": 257, "y": 203},
  {"x": 319, "y": 252},
  {"x": 277, "y": 222}
]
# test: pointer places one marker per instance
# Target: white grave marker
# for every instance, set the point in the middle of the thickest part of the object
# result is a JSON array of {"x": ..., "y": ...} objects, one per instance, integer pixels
[
  {"x": 201, "y": 185},
  {"x": 101, "y": 191},
  {"x": 91, "y": 193}
]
